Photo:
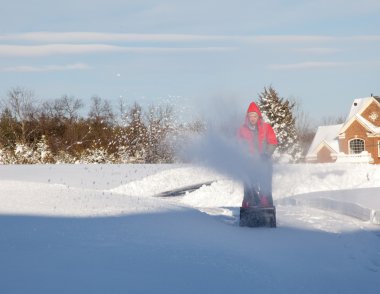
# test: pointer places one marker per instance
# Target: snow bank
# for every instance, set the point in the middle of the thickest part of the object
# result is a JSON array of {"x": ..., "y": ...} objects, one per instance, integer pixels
[
  {"x": 99, "y": 189},
  {"x": 363, "y": 204},
  {"x": 341, "y": 188},
  {"x": 289, "y": 180},
  {"x": 58, "y": 200},
  {"x": 167, "y": 180}
]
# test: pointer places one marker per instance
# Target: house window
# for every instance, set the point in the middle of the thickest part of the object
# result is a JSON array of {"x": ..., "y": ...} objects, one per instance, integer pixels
[{"x": 356, "y": 146}]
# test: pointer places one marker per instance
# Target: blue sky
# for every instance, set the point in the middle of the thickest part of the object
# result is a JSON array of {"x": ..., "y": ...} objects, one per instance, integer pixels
[{"x": 323, "y": 53}]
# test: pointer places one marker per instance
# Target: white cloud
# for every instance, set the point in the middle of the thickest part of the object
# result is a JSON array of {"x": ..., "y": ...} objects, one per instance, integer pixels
[
  {"x": 108, "y": 37},
  {"x": 324, "y": 65},
  {"x": 313, "y": 39},
  {"x": 59, "y": 49},
  {"x": 53, "y": 49},
  {"x": 292, "y": 39},
  {"x": 308, "y": 65},
  {"x": 82, "y": 37},
  {"x": 318, "y": 50},
  {"x": 47, "y": 68},
  {"x": 362, "y": 38}
]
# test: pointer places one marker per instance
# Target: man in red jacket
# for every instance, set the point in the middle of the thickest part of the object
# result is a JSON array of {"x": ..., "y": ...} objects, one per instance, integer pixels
[{"x": 261, "y": 142}]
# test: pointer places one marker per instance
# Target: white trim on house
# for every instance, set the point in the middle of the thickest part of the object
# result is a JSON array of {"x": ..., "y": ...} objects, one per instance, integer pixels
[
  {"x": 361, "y": 120},
  {"x": 324, "y": 143},
  {"x": 333, "y": 151},
  {"x": 355, "y": 115},
  {"x": 349, "y": 145},
  {"x": 370, "y": 135},
  {"x": 331, "y": 136},
  {"x": 363, "y": 157},
  {"x": 358, "y": 106},
  {"x": 325, "y": 135},
  {"x": 370, "y": 126}
]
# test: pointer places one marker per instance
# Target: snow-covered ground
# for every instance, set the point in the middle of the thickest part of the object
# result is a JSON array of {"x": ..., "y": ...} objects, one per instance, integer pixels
[{"x": 99, "y": 229}]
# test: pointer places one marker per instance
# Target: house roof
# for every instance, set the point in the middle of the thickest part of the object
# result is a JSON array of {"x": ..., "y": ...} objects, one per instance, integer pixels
[
  {"x": 325, "y": 135},
  {"x": 328, "y": 135},
  {"x": 370, "y": 126},
  {"x": 358, "y": 106}
]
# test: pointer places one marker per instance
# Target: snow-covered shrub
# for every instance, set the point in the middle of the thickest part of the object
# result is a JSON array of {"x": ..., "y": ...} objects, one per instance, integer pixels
[
  {"x": 96, "y": 155},
  {"x": 122, "y": 154},
  {"x": 43, "y": 151},
  {"x": 139, "y": 156},
  {"x": 24, "y": 154},
  {"x": 64, "y": 157},
  {"x": 6, "y": 157}
]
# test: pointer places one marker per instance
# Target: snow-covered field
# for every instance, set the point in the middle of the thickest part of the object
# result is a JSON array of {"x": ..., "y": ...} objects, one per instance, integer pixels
[{"x": 99, "y": 229}]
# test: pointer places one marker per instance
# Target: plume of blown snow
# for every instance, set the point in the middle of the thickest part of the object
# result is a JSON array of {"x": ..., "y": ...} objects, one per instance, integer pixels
[
  {"x": 224, "y": 155},
  {"x": 218, "y": 148}
]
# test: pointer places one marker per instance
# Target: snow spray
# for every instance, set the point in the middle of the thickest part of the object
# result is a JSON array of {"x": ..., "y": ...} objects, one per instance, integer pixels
[
  {"x": 224, "y": 155},
  {"x": 219, "y": 148}
]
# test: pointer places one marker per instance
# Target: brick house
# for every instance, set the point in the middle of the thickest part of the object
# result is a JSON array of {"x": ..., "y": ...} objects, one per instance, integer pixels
[{"x": 356, "y": 140}]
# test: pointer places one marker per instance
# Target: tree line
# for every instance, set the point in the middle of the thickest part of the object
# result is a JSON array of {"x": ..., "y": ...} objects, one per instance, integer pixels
[{"x": 57, "y": 131}]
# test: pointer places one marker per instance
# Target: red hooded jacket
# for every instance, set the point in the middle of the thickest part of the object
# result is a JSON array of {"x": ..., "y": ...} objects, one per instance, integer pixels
[{"x": 265, "y": 131}]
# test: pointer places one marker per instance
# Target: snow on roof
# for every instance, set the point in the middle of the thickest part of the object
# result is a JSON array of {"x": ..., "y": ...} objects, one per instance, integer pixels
[
  {"x": 328, "y": 134},
  {"x": 357, "y": 106},
  {"x": 334, "y": 144},
  {"x": 368, "y": 124}
]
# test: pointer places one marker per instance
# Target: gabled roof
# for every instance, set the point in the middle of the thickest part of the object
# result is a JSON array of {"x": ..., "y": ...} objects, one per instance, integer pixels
[
  {"x": 357, "y": 108},
  {"x": 370, "y": 126},
  {"x": 358, "y": 105},
  {"x": 327, "y": 135}
]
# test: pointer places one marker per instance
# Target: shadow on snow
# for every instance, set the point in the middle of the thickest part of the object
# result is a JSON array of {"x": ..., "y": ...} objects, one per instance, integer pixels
[{"x": 182, "y": 251}]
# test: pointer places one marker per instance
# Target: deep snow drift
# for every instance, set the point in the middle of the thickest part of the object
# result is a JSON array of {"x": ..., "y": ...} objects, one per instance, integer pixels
[{"x": 99, "y": 229}]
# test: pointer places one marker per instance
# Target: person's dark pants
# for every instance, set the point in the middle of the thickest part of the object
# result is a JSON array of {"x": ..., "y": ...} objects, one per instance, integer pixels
[{"x": 259, "y": 185}]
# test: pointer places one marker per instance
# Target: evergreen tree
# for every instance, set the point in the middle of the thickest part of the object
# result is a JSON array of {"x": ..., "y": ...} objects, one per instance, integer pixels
[{"x": 278, "y": 112}]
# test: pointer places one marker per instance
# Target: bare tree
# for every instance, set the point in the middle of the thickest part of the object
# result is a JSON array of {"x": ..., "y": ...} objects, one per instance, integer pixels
[
  {"x": 136, "y": 132},
  {"x": 22, "y": 105},
  {"x": 59, "y": 122},
  {"x": 159, "y": 124},
  {"x": 69, "y": 107},
  {"x": 9, "y": 128},
  {"x": 122, "y": 110},
  {"x": 101, "y": 111},
  {"x": 332, "y": 120},
  {"x": 305, "y": 125},
  {"x": 66, "y": 108}
]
